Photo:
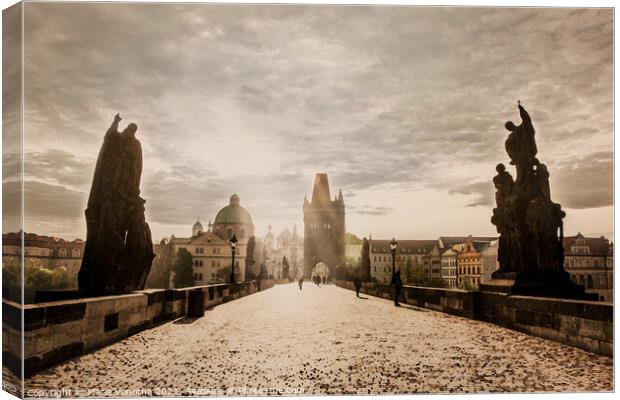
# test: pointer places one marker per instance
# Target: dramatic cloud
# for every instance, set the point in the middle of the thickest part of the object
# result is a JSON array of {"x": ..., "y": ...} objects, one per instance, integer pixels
[{"x": 403, "y": 107}]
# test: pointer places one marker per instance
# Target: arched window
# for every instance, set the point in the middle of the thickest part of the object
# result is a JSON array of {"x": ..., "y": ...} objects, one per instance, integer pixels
[
  {"x": 590, "y": 284},
  {"x": 75, "y": 253},
  {"x": 229, "y": 233},
  {"x": 582, "y": 280},
  {"x": 62, "y": 252}
]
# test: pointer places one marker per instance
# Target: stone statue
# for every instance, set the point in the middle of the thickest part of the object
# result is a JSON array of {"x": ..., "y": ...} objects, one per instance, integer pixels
[
  {"x": 503, "y": 183},
  {"x": 521, "y": 145},
  {"x": 530, "y": 250},
  {"x": 119, "y": 251}
]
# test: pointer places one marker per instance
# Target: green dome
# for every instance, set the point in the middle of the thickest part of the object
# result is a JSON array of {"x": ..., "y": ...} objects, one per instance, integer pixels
[{"x": 233, "y": 213}]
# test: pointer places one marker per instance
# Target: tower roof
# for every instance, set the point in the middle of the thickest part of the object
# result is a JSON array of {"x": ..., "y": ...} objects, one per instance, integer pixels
[{"x": 320, "y": 193}]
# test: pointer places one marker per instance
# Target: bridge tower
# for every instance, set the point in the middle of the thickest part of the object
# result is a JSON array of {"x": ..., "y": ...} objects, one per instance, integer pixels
[{"x": 324, "y": 227}]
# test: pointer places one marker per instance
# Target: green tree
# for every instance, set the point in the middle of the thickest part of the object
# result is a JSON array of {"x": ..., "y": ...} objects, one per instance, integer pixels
[
  {"x": 36, "y": 277},
  {"x": 285, "y": 267},
  {"x": 183, "y": 271},
  {"x": 249, "y": 259}
]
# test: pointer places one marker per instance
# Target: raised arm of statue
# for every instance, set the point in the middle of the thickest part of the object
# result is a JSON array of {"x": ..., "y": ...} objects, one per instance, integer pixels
[
  {"x": 527, "y": 121},
  {"x": 114, "y": 127}
]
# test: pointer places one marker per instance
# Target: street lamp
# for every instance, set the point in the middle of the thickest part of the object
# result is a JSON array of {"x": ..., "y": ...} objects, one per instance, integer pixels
[
  {"x": 233, "y": 247},
  {"x": 393, "y": 246}
]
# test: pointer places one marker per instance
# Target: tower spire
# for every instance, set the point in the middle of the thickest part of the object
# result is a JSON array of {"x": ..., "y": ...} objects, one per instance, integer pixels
[{"x": 320, "y": 193}]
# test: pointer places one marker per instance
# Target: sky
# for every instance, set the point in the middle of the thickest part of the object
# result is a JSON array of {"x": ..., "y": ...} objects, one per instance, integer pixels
[{"x": 402, "y": 107}]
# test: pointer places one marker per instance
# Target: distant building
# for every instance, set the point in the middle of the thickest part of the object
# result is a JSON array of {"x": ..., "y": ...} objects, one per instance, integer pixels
[
  {"x": 409, "y": 259},
  {"x": 589, "y": 261},
  {"x": 49, "y": 252},
  {"x": 210, "y": 250},
  {"x": 324, "y": 228},
  {"x": 449, "y": 258},
  {"x": 287, "y": 244},
  {"x": 469, "y": 264}
]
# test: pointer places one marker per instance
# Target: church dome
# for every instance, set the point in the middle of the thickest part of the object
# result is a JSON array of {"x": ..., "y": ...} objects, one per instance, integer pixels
[
  {"x": 197, "y": 229},
  {"x": 233, "y": 213}
]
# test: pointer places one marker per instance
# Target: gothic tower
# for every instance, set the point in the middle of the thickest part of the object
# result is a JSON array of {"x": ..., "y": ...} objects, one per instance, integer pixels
[{"x": 324, "y": 228}]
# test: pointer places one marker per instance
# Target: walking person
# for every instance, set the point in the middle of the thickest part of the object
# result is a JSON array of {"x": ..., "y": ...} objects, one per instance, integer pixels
[
  {"x": 301, "y": 282},
  {"x": 398, "y": 286},
  {"x": 357, "y": 283}
]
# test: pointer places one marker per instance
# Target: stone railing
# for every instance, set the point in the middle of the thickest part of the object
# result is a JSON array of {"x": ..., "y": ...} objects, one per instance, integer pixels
[
  {"x": 59, "y": 330},
  {"x": 584, "y": 324}
]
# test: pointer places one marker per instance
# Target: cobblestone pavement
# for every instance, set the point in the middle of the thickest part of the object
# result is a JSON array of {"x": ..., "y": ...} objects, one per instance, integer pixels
[{"x": 325, "y": 341}]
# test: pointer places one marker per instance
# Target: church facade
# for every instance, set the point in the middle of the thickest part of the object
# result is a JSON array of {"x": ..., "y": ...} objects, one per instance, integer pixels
[{"x": 324, "y": 228}]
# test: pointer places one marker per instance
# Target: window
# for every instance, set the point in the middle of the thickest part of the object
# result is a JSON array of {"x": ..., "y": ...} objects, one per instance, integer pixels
[
  {"x": 242, "y": 234},
  {"x": 75, "y": 253},
  {"x": 590, "y": 283},
  {"x": 61, "y": 253},
  {"x": 229, "y": 233}
]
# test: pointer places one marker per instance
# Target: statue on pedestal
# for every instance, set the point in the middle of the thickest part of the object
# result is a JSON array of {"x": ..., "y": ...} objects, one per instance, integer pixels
[
  {"x": 119, "y": 251},
  {"x": 530, "y": 250}
]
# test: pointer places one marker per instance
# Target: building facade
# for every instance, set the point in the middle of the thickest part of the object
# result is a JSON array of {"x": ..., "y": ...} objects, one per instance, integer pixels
[
  {"x": 45, "y": 251},
  {"x": 324, "y": 228},
  {"x": 589, "y": 261},
  {"x": 449, "y": 258},
  {"x": 470, "y": 264},
  {"x": 211, "y": 251},
  {"x": 286, "y": 244},
  {"x": 409, "y": 258}
]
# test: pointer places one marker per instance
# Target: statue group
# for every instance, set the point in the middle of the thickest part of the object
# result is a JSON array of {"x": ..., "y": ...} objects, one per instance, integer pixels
[
  {"x": 119, "y": 250},
  {"x": 530, "y": 250}
]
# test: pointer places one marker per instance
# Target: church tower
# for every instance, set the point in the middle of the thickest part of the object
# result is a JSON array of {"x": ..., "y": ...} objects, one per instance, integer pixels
[{"x": 324, "y": 227}]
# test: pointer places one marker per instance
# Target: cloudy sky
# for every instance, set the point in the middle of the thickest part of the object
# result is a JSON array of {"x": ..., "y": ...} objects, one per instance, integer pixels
[{"x": 403, "y": 107}]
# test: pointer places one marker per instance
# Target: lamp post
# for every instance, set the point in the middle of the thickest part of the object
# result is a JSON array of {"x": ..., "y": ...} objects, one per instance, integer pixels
[
  {"x": 233, "y": 247},
  {"x": 393, "y": 246}
]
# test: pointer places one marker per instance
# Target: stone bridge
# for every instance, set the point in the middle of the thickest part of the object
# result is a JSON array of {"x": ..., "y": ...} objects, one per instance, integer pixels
[{"x": 324, "y": 340}]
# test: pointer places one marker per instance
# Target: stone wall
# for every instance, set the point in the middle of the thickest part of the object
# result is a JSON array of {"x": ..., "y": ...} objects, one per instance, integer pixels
[
  {"x": 450, "y": 301},
  {"x": 584, "y": 324},
  {"x": 60, "y": 330}
]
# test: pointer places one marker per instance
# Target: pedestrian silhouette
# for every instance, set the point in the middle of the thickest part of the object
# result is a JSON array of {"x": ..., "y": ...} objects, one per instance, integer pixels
[
  {"x": 398, "y": 285},
  {"x": 357, "y": 282},
  {"x": 301, "y": 282}
]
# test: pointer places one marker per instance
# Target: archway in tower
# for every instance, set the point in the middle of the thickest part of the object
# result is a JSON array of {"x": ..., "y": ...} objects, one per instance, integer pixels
[{"x": 320, "y": 269}]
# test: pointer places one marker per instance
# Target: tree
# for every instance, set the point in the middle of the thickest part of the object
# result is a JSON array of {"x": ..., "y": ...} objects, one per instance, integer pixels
[
  {"x": 182, "y": 268},
  {"x": 249, "y": 259},
  {"x": 365, "y": 263},
  {"x": 285, "y": 268},
  {"x": 36, "y": 277}
]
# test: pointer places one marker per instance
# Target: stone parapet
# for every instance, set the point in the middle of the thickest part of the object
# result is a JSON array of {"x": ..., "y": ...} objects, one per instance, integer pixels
[
  {"x": 59, "y": 330},
  {"x": 580, "y": 323}
]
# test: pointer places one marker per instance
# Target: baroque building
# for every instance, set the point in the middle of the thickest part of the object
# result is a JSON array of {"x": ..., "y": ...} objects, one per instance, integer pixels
[
  {"x": 324, "y": 228},
  {"x": 590, "y": 262},
  {"x": 409, "y": 259},
  {"x": 210, "y": 249},
  {"x": 287, "y": 244}
]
